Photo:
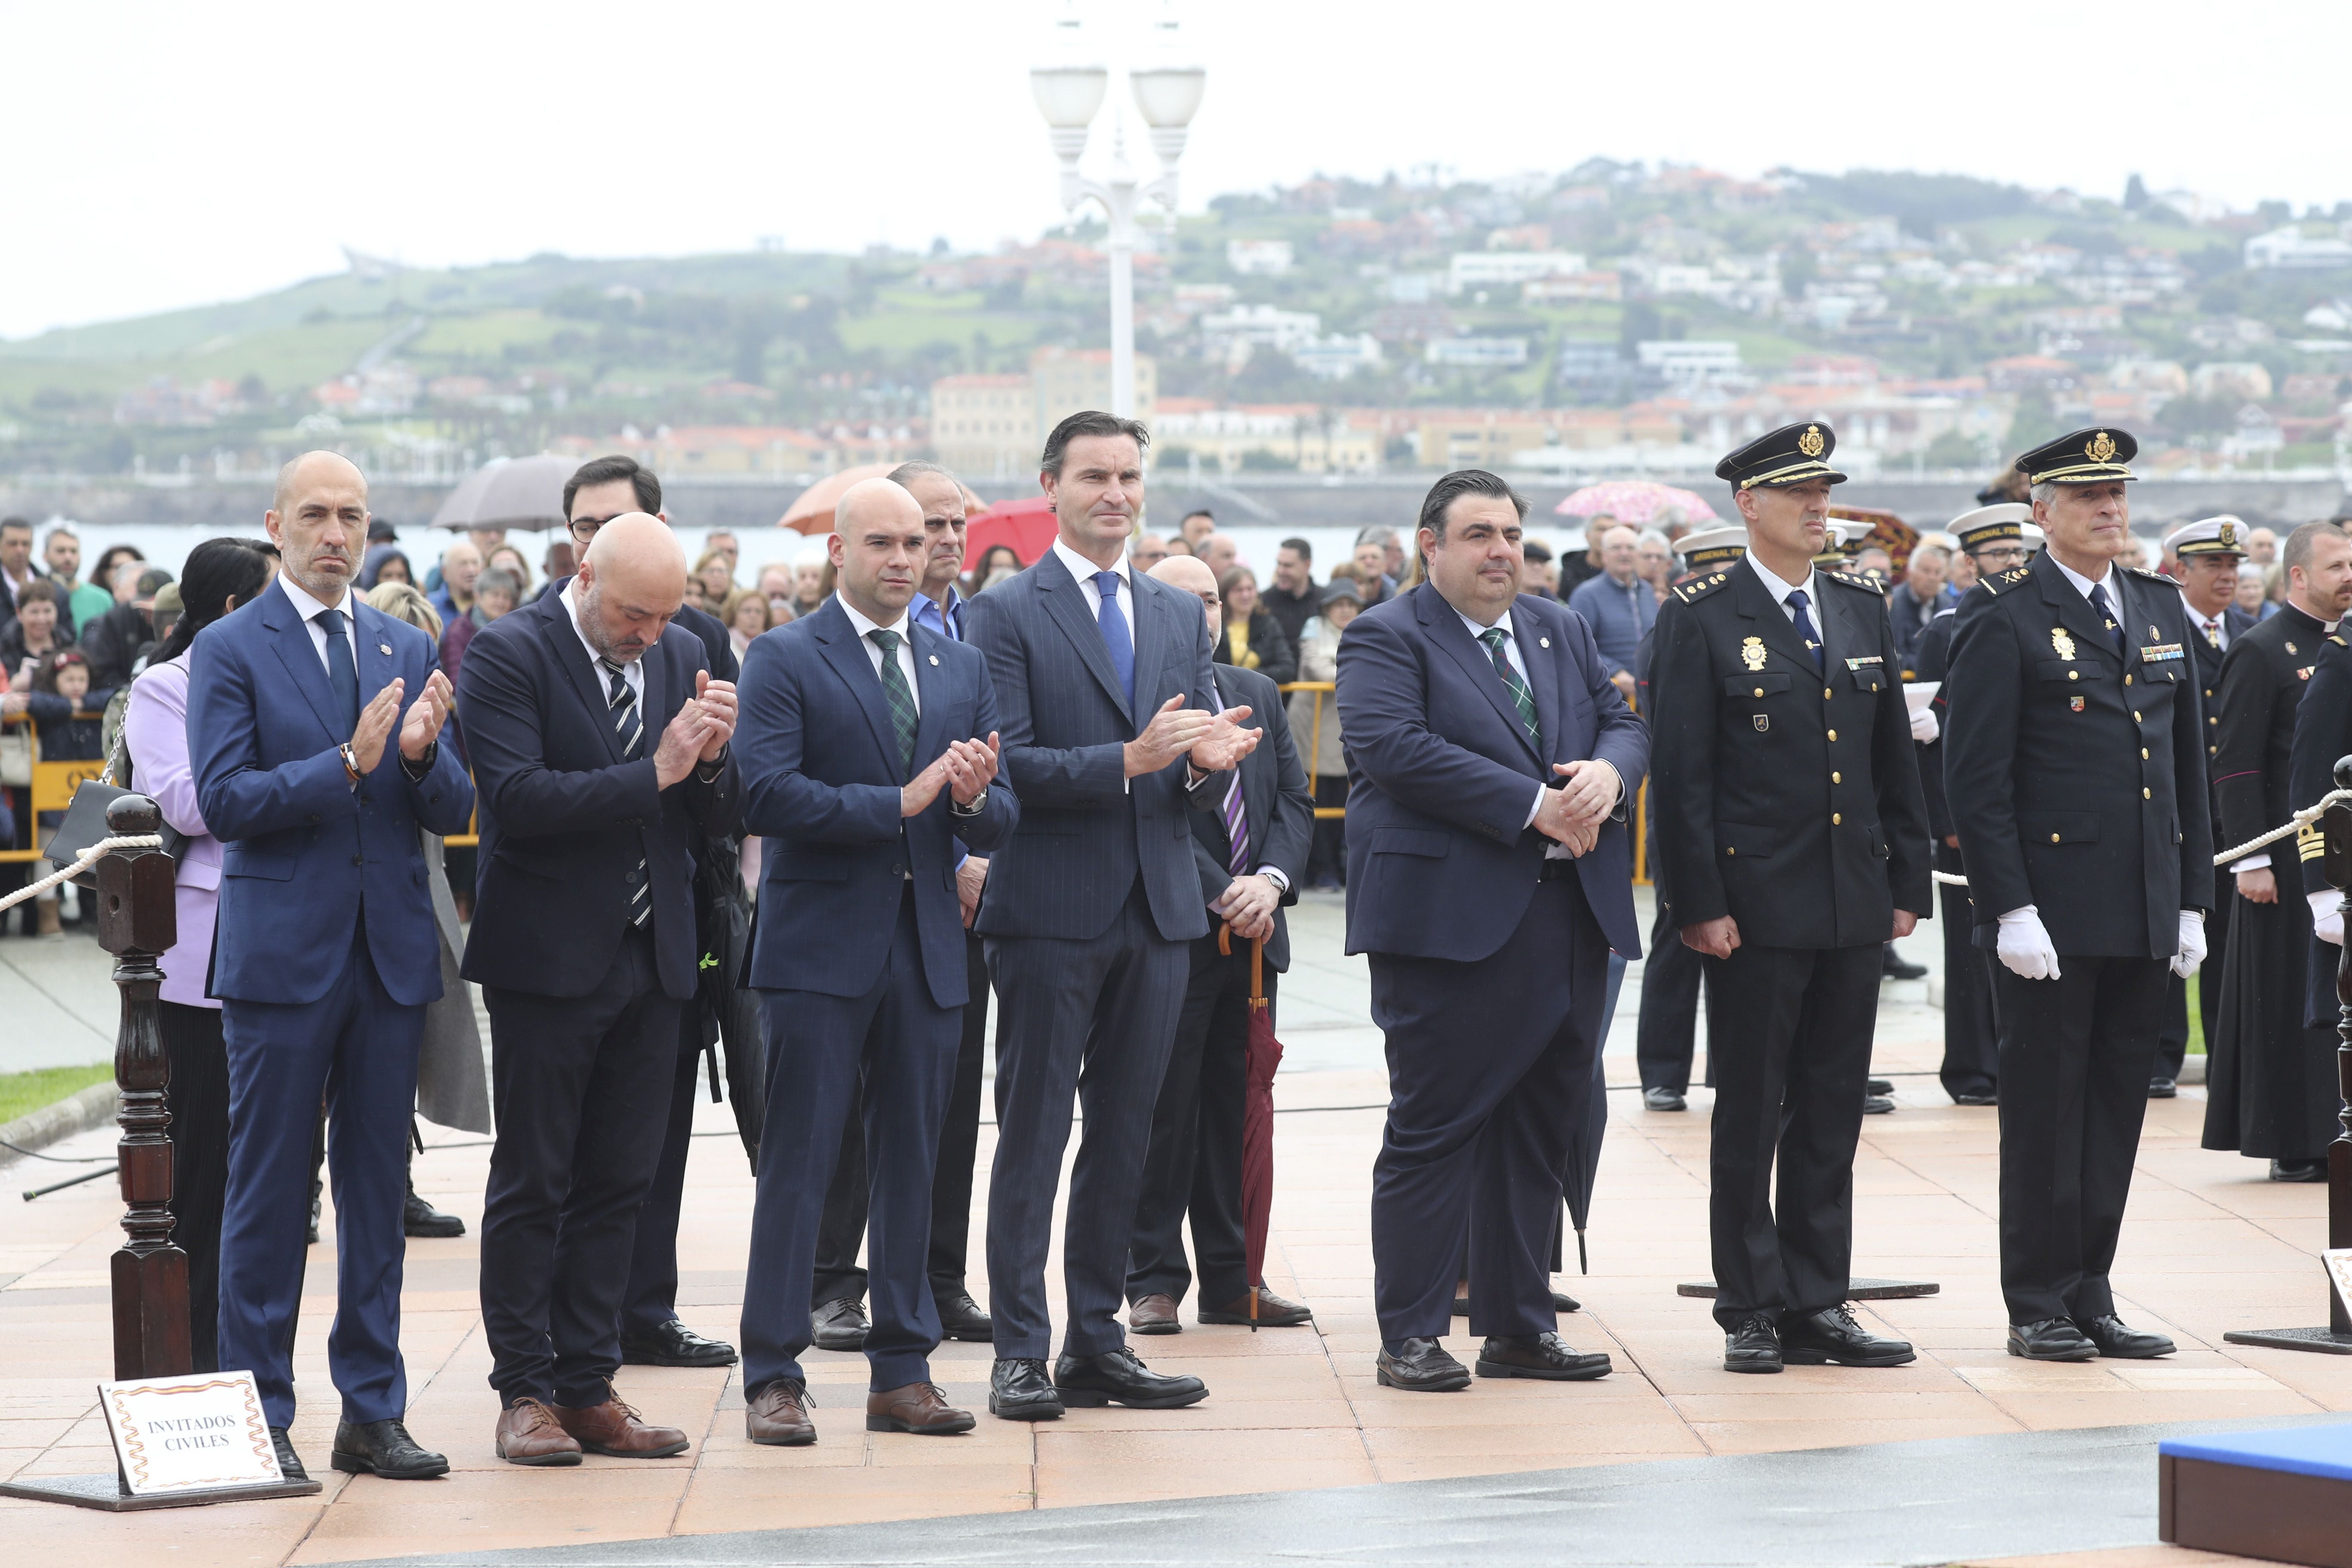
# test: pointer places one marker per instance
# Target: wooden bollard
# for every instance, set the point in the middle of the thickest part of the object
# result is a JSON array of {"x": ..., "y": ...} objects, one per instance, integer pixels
[{"x": 137, "y": 923}]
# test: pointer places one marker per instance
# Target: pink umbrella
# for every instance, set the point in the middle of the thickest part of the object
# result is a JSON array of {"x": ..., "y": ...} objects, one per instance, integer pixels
[{"x": 1636, "y": 501}]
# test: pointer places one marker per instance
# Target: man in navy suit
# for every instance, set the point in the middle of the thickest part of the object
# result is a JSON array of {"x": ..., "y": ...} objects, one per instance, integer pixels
[
  {"x": 599, "y": 743},
  {"x": 869, "y": 749},
  {"x": 1490, "y": 761},
  {"x": 326, "y": 953},
  {"x": 1103, "y": 690}
]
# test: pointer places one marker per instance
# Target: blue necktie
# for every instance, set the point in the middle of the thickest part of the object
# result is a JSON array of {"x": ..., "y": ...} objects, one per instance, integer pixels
[
  {"x": 342, "y": 675},
  {"x": 1115, "y": 633},
  {"x": 2100, "y": 603},
  {"x": 1797, "y": 602}
]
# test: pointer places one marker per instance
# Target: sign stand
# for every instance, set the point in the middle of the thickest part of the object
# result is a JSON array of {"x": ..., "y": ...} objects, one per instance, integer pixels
[{"x": 137, "y": 923}]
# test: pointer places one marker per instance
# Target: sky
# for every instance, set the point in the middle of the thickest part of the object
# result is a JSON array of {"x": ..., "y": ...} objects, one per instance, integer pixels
[{"x": 164, "y": 154}]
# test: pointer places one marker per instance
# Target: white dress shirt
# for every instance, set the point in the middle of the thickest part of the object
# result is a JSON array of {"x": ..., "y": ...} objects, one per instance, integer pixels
[
  {"x": 2083, "y": 584},
  {"x": 633, "y": 672},
  {"x": 1556, "y": 851},
  {"x": 866, "y": 628},
  {"x": 1083, "y": 571},
  {"x": 2215, "y": 629},
  {"x": 310, "y": 609},
  {"x": 1781, "y": 592}
]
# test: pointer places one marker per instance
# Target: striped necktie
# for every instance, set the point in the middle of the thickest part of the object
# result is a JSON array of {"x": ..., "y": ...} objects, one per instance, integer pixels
[
  {"x": 1493, "y": 637},
  {"x": 900, "y": 697},
  {"x": 629, "y": 724},
  {"x": 1236, "y": 828}
]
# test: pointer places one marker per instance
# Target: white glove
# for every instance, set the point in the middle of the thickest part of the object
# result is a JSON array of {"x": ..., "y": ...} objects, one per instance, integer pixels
[
  {"x": 2192, "y": 943},
  {"x": 2326, "y": 916},
  {"x": 2025, "y": 947},
  {"x": 1924, "y": 726}
]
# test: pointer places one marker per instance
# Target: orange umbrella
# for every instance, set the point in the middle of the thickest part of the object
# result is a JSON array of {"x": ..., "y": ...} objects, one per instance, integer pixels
[{"x": 812, "y": 512}]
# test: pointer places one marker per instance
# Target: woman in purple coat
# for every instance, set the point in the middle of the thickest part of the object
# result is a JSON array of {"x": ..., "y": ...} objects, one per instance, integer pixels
[{"x": 220, "y": 575}]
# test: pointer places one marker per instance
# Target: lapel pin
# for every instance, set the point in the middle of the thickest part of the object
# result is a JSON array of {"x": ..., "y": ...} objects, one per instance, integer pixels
[
  {"x": 384, "y": 649},
  {"x": 1543, "y": 642},
  {"x": 935, "y": 659}
]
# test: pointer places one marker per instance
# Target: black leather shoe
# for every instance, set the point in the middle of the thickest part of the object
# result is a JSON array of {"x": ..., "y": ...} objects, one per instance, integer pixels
[
  {"x": 1120, "y": 1378},
  {"x": 383, "y": 1449},
  {"x": 2116, "y": 1338},
  {"x": 1879, "y": 1086},
  {"x": 289, "y": 1463},
  {"x": 1976, "y": 1100},
  {"x": 1663, "y": 1100},
  {"x": 674, "y": 1344},
  {"x": 839, "y": 1325},
  {"x": 1753, "y": 1346},
  {"x": 2050, "y": 1339},
  {"x": 961, "y": 1318},
  {"x": 1897, "y": 967},
  {"x": 1419, "y": 1366},
  {"x": 1561, "y": 1301},
  {"x": 1544, "y": 1356},
  {"x": 1831, "y": 1338},
  {"x": 420, "y": 1218},
  {"x": 1019, "y": 1390},
  {"x": 1273, "y": 1312},
  {"x": 1876, "y": 1105},
  {"x": 2163, "y": 1087},
  {"x": 2298, "y": 1169}
]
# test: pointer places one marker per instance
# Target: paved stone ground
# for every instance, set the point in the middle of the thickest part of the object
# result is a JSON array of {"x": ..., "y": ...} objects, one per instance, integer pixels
[{"x": 2209, "y": 1246}]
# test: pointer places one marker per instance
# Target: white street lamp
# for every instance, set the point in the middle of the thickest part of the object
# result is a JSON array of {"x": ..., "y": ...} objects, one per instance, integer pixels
[{"x": 1069, "y": 94}]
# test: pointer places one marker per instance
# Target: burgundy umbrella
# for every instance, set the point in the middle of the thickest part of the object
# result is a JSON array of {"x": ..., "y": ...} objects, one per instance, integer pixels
[{"x": 1258, "y": 1067}]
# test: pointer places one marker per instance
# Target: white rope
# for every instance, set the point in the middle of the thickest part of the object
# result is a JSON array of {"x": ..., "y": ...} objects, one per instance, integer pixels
[
  {"x": 2236, "y": 851},
  {"x": 90, "y": 857}
]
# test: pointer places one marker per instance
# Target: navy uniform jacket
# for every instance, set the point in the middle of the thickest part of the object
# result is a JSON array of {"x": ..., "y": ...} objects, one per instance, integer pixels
[
  {"x": 1087, "y": 831},
  {"x": 821, "y": 780},
  {"x": 1932, "y": 660},
  {"x": 2323, "y": 732},
  {"x": 2076, "y": 776},
  {"x": 302, "y": 852},
  {"x": 1279, "y": 803},
  {"x": 2263, "y": 678},
  {"x": 564, "y": 820},
  {"x": 1788, "y": 797},
  {"x": 1441, "y": 773}
]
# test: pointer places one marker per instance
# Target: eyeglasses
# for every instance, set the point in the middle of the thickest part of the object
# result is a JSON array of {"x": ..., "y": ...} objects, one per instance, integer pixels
[
  {"x": 2004, "y": 555},
  {"x": 583, "y": 528}
]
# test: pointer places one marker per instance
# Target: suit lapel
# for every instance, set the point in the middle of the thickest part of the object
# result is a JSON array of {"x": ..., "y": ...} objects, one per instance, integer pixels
[
  {"x": 2074, "y": 613},
  {"x": 846, "y": 651},
  {"x": 291, "y": 639},
  {"x": 932, "y": 696},
  {"x": 1543, "y": 676},
  {"x": 1445, "y": 628},
  {"x": 587, "y": 676},
  {"x": 372, "y": 656},
  {"x": 1067, "y": 606},
  {"x": 1757, "y": 604},
  {"x": 1256, "y": 779}
]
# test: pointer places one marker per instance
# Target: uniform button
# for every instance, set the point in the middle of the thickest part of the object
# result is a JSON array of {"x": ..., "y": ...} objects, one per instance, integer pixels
[
  {"x": 2143, "y": 753},
  {"x": 1836, "y": 778},
  {"x": 2213, "y": 718},
  {"x": 2145, "y": 795},
  {"x": 1833, "y": 734},
  {"x": 898, "y": 870},
  {"x": 2073, "y": 675},
  {"x": 1836, "y": 820},
  {"x": 2126, "y": 680},
  {"x": 359, "y": 860},
  {"x": 1729, "y": 850},
  {"x": 2212, "y": 751},
  {"x": 2135, "y": 715},
  {"x": 1759, "y": 691},
  {"x": 2053, "y": 838},
  {"x": 1827, "y": 694}
]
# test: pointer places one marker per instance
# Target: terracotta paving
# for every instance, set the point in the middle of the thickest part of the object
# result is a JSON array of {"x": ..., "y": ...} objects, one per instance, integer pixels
[{"x": 2209, "y": 1246}]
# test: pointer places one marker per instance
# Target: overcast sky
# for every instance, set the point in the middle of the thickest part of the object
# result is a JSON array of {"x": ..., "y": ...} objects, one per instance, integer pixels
[{"x": 165, "y": 154}]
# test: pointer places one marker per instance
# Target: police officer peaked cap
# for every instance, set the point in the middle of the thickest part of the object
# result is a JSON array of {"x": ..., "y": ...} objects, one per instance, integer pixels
[
  {"x": 2223, "y": 535},
  {"x": 2081, "y": 458},
  {"x": 1991, "y": 524},
  {"x": 1792, "y": 455}
]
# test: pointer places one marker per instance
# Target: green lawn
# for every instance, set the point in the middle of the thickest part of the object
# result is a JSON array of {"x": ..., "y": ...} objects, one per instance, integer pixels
[{"x": 22, "y": 1093}]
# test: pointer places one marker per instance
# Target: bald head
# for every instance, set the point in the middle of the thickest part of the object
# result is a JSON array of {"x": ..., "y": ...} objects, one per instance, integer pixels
[
  {"x": 318, "y": 518},
  {"x": 631, "y": 583},
  {"x": 1191, "y": 576},
  {"x": 879, "y": 550},
  {"x": 1221, "y": 552}
]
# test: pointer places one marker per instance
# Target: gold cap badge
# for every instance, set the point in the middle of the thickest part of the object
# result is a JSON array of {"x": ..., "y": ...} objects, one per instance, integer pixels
[
  {"x": 2101, "y": 448},
  {"x": 2229, "y": 536},
  {"x": 1810, "y": 443}
]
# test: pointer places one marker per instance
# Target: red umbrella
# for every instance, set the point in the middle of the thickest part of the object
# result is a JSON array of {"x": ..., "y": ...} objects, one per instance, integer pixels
[
  {"x": 1257, "y": 1119},
  {"x": 1027, "y": 525}
]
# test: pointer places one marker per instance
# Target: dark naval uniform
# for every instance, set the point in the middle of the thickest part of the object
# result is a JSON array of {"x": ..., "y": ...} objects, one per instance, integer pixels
[
  {"x": 2323, "y": 732},
  {"x": 2074, "y": 761},
  {"x": 2270, "y": 1080},
  {"x": 2172, "y": 1045},
  {"x": 1788, "y": 798}
]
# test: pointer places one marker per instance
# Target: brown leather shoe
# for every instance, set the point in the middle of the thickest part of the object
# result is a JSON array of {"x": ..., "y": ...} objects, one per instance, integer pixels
[
  {"x": 1273, "y": 1312},
  {"x": 1155, "y": 1315},
  {"x": 919, "y": 1407},
  {"x": 616, "y": 1428},
  {"x": 528, "y": 1434},
  {"x": 778, "y": 1414}
]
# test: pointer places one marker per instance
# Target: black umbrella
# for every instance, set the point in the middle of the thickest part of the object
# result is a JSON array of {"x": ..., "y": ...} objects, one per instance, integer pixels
[
  {"x": 511, "y": 492},
  {"x": 729, "y": 1010}
]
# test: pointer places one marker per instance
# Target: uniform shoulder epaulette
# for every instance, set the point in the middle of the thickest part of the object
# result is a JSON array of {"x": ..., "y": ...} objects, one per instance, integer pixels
[
  {"x": 2009, "y": 579},
  {"x": 1848, "y": 580},
  {"x": 1698, "y": 588},
  {"x": 2153, "y": 576},
  {"x": 2338, "y": 641}
]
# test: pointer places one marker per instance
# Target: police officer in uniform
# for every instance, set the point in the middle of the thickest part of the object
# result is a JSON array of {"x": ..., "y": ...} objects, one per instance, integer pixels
[
  {"x": 1665, "y": 1041},
  {"x": 1994, "y": 538},
  {"x": 1795, "y": 844},
  {"x": 2270, "y": 1090},
  {"x": 2076, "y": 766},
  {"x": 2209, "y": 553}
]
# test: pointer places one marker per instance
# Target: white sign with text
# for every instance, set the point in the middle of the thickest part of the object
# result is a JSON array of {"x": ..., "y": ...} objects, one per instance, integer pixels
[{"x": 190, "y": 1434}]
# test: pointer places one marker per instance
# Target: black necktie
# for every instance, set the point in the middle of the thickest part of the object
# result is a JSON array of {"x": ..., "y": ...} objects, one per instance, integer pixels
[
  {"x": 342, "y": 675},
  {"x": 2100, "y": 601},
  {"x": 1797, "y": 602}
]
